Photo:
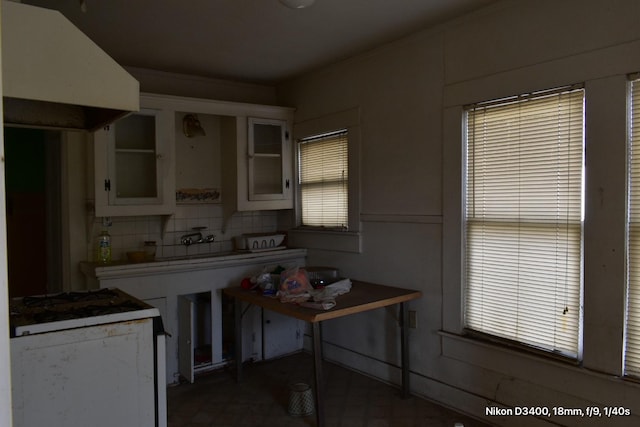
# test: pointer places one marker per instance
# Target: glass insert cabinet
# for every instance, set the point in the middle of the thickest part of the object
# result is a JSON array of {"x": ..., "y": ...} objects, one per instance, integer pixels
[
  {"x": 268, "y": 154},
  {"x": 136, "y": 174},
  {"x": 133, "y": 160}
]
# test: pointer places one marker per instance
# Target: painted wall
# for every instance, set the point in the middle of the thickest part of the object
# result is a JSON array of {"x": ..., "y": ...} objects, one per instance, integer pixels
[
  {"x": 128, "y": 233},
  {"x": 410, "y": 96},
  {"x": 5, "y": 367}
]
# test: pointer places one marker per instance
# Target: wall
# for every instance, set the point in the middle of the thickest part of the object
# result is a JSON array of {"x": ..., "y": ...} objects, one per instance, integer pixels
[
  {"x": 129, "y": 233},
  {"x": 153, "y": 81},
  {"x": 5, "y": 367},
  {"x": 410, "y": 94}
]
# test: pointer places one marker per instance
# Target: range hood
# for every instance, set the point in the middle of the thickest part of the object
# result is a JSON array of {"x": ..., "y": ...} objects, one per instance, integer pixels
[{"x": 54, "y": 76}]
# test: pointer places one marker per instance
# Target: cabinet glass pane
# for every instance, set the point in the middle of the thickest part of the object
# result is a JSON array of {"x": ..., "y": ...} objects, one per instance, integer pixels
[
  {"x": 267, "y": 175},
  {"x": 135, "y": 174},
  {"x": 135, "y": 157},
  {"x": 136, "y": 132},
  {"x": 267, "y": 139}
]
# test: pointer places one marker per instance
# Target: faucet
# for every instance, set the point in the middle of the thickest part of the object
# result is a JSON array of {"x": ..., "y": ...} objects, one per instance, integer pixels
[{"x": 190, "y": 239}]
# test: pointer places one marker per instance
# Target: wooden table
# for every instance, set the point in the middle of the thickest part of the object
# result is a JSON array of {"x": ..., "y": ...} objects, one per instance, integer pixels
[{"x": 362, "y": 297}]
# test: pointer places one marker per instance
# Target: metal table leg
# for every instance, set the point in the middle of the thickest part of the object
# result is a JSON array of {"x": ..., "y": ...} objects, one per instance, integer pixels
[
  {"x": 317, "y": 367},
  {"x": 237, "y": 311},
  {"x": 404, "y": 349}
]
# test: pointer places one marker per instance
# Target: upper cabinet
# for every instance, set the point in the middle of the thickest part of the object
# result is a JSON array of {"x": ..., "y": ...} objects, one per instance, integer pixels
[
  {"x": 269, "y": 160},
  {"x": 146, "y": 160},
  {"x": 258, "y": 161},
  {"x": 135, "y": 166}
]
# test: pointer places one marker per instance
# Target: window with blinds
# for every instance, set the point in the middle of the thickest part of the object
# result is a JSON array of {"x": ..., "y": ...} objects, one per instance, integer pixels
[
  {"x": 523, "y": 219},
  {"x": 323, "y": 179},
  {"x": 632, "y": 333}
]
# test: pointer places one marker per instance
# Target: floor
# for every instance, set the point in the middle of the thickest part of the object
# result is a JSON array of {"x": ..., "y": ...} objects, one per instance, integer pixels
[{"x": 262, "y": 399}]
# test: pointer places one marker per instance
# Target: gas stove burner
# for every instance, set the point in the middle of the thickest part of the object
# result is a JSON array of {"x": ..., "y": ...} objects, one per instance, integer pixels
[
  {"x": 67, "y": 310},
  {"x": 67, "y": 297},
  {"x": 85, "y": 311}
]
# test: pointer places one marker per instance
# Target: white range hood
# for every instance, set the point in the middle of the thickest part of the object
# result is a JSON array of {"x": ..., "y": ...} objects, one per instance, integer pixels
[{"x": 54, "y": 76}]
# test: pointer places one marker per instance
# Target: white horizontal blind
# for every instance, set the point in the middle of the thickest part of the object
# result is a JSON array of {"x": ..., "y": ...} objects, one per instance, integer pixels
[
  {"x": 523, "y": 219},
  {"x": 632, "y": 334},
  {"x": 323, "y": 180}
]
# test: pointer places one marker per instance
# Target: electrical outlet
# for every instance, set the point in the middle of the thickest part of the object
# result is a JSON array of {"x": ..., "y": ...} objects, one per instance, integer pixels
[{"x": 413, "y": 319}]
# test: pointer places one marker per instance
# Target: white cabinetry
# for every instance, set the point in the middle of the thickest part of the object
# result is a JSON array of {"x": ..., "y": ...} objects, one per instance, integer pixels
[
  {"x": 258, "y": 168},
  {"x": 269, "y": 161},
  {"x": 195, "y": 334},
  {"x": 134, "y": 165},
  {"x": 135, "y": 158},
  {"x": 281, "y": 334},
  {"x": 196, "y": 317}
]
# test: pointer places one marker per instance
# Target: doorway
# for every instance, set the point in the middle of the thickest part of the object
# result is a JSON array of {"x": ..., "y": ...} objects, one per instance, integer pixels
[{"x": 32, "y": 181}]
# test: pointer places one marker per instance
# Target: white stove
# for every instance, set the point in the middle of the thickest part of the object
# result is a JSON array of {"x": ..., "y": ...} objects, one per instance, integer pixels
[
  {"x": 87, "y": 358},
  {"x": 68, "y": 310}
]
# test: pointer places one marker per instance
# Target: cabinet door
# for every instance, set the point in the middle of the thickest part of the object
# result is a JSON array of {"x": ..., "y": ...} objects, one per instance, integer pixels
[
  {"x": 134, "y": 169},
  {"x": 282, "y": 335},
  {"x": 269, "y": 160},
  {"x": 186, "y": 311}
]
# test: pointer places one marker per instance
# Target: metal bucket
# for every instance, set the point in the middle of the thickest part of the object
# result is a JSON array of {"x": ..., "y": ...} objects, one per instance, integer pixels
[{"x": 300, "y": 400}]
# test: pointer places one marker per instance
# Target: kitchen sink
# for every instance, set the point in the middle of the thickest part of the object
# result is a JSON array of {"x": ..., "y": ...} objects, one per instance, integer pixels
[{"x": 196, "y": 256}]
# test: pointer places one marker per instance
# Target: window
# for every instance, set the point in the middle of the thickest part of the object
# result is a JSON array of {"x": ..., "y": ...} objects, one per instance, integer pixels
[
  {"x": 523, "y": 219},
  {"x": 323, "y": 180},
  {"x": 632, "y": 334}
]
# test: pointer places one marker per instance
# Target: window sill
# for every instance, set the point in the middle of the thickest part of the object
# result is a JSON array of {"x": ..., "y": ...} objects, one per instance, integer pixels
[
  {"x": 503, "y": 345},
  {"x": 557, "y": 375},
  {"x": 513, "y": 361},
  {"x": 341, "y": 241}
]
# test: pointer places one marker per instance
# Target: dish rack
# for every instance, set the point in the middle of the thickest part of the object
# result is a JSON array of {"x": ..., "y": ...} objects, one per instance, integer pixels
[{"x": 259, "y": 242}]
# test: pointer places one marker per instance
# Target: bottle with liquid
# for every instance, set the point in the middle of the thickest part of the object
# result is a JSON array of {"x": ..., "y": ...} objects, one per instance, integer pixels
[{"x": 104, "y": 247}]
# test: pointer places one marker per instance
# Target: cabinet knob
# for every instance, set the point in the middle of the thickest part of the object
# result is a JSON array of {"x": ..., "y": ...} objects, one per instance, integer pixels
[{"x": 286, "y": 183}]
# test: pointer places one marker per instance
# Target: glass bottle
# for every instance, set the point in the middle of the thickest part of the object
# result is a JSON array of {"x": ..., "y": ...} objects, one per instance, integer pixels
[{"x": 104, "y": 247}]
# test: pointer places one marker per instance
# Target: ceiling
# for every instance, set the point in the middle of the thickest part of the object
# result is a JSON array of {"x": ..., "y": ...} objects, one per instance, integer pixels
[{"x": 259, "y": 41}]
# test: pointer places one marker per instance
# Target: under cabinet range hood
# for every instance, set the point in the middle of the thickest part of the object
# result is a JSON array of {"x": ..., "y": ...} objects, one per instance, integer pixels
[{"x": 54, "y": 76}]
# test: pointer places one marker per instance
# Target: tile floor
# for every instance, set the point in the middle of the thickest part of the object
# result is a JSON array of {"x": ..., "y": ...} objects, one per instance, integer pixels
[{"x": 262, "y": 399}]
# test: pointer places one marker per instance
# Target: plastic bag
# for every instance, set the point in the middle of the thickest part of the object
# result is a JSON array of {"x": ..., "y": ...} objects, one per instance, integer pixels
[
  {"x": 294, "y": 285},
  {"x": 295, "y": 281},
  {"x": 330, "y": 292},
  {"x": 262, "y": 281}
]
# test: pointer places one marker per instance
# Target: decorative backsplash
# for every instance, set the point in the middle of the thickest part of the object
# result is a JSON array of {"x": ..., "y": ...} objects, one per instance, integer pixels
[{"x": 130, "y": 233}]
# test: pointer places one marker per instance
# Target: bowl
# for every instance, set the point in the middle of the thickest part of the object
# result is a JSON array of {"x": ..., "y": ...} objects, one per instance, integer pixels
[
  {"x": 136, "y": 256},
  {"x": 322, "y": 276}
]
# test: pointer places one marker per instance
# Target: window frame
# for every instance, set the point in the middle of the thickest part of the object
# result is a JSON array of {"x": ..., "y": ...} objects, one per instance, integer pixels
[
  {"x": 629, "y": 370},
  {"x": 512, "y": 341},
  {"x": 317, "y": 237},
  {"x": 318, "y": 139},
  {"x": 604, "y": 73}
]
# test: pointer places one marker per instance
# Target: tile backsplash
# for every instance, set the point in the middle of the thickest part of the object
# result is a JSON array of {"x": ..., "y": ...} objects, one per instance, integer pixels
[{"x": 130, "y": 233}]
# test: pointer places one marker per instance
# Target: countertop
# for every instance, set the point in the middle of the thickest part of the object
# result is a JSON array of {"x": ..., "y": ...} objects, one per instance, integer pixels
[{"x": 197, "y": 262}]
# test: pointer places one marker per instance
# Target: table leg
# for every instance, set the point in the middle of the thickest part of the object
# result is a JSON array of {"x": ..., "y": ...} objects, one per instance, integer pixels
[
  {"x": 237, "y": 312},
  {"x": 404, "y": 349},
  {"x": 317, "y": 367}
]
